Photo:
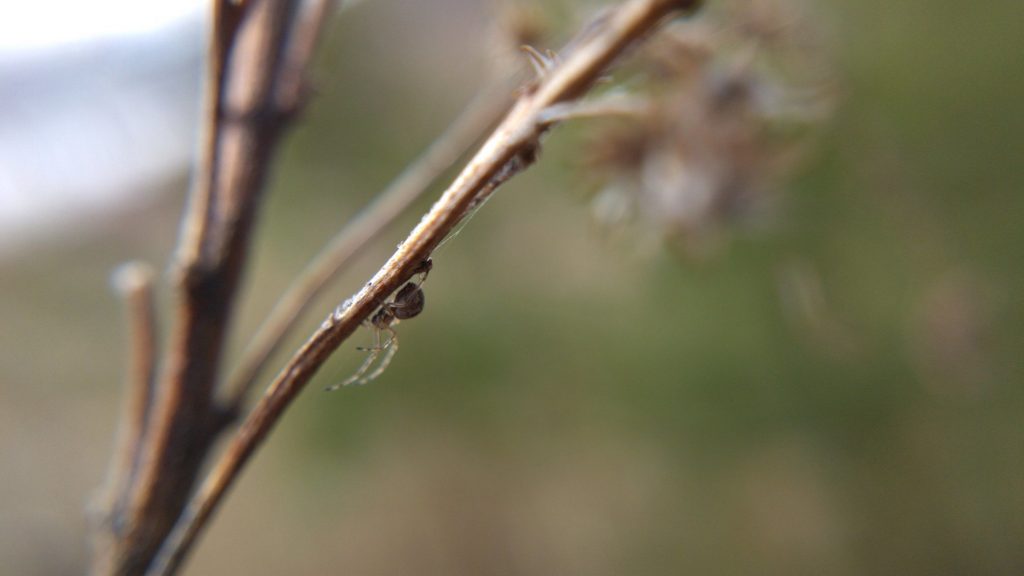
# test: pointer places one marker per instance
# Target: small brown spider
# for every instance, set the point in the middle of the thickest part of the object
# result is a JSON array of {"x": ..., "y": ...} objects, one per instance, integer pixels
[{"x": 407, "y": 303}]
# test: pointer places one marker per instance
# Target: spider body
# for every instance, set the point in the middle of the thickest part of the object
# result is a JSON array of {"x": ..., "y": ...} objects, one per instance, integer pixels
[{"x": 407, "y": 303}]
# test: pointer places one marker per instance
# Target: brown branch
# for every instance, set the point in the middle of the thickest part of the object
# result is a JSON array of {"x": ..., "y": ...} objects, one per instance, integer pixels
[
  {"x": 134, "y": 282},
  {"x": 227, "y": 18},
  {"x": 305, "y": 35},
  {"x": 510, "y": 148},
  {"x": 485, "y": 111},
  {"x": 258, "y": 50}
]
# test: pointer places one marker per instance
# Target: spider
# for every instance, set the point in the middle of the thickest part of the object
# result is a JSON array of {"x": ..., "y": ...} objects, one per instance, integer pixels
[{"x": 407, "y": 303}]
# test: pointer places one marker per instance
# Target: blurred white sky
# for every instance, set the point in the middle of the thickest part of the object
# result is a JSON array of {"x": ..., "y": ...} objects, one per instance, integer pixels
[
  {"x": 37, "y": 25},
  {"x": 98, "y": 105}
]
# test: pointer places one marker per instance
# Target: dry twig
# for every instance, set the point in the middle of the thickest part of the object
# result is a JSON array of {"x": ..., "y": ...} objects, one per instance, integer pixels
[
  {"x": 134, "y": 282},
  {"x": 254, "y": 87}
]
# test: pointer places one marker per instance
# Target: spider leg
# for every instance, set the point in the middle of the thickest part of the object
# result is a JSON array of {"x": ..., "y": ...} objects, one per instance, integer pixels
[
  {"x": 391, "y": 347},
  {"x": 374, "y": 352}
]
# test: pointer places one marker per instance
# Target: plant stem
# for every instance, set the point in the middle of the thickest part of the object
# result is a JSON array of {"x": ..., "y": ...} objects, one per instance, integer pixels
[{"x": 134, "y": 282}]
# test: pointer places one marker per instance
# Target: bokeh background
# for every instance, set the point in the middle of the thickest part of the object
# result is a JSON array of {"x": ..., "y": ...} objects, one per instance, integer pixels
[{"x": 840, "y": 393}]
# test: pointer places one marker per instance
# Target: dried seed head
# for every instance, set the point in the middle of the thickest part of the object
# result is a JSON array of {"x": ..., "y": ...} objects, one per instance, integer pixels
[{"x": 735, "y": 96}]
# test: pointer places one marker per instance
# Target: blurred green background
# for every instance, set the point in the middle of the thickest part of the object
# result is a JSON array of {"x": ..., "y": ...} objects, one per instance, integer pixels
[{"x": 566, "y": 405}]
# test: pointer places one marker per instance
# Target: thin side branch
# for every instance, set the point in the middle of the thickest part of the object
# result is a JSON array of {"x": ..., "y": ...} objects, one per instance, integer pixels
[
  {"x": 511, "y": 148},
  {"x": 611, "y": 105},
  {"x": 134, "y": 282},
  {"x": 227, "y": 18},
  {"x": 303, "y": 39}
]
